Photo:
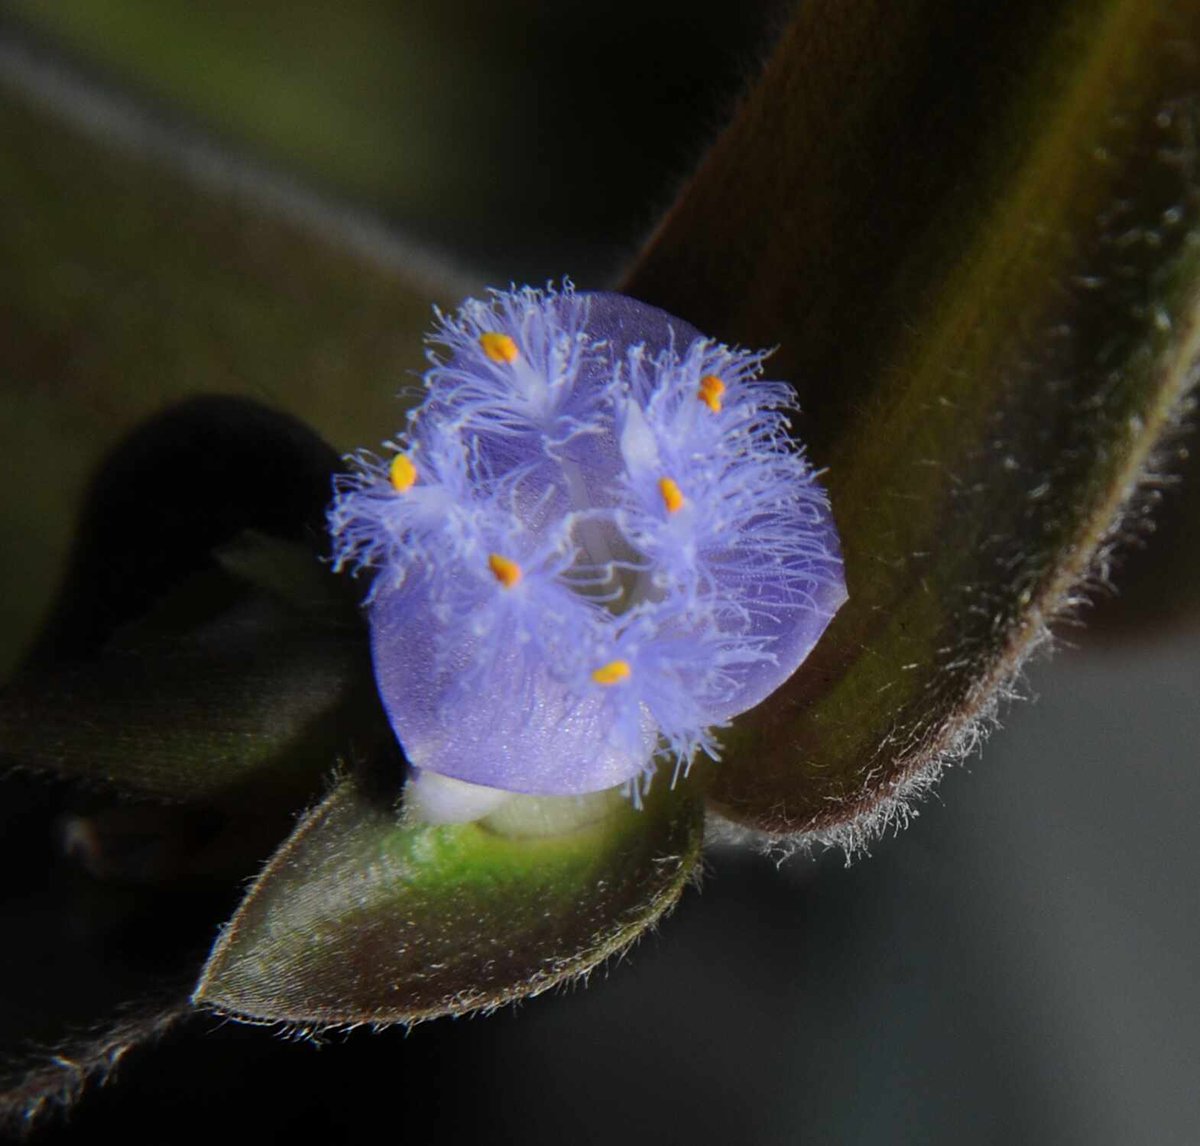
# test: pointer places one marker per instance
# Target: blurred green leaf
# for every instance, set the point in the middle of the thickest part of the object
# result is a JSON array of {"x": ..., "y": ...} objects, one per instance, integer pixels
[
  {"x": 184, "y": 484},
  {"x": 506, "y": 132},
  {"x": 200, "y": 649},
  {"x": 973, "y": 232},
  {"x": 252, "y": 693},
  {"x": 360, "y": 918},
  {"x": 142, "y": 267},
  {"x": 338, "y": 95}
]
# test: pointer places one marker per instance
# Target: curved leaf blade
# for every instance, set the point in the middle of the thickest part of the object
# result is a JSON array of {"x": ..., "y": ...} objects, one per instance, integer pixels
[
  {"x": 983, "y": 266},
  {"x": 361, "y": 918}
]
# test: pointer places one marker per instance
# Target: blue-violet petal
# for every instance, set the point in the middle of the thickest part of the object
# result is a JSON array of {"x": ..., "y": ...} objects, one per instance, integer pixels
[{"x": 595, "y": 543}]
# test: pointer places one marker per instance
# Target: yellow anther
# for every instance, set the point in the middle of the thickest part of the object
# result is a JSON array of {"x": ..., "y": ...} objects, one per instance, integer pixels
[
  {"x": 711, "y": 389},
  {"x": 612, "y": 673},
  {"x": 672, "y": 495},
  {"x": 507, "y": 572},
  {"x": 499, "y": 347},
  {"x": 403, "y": 473}
]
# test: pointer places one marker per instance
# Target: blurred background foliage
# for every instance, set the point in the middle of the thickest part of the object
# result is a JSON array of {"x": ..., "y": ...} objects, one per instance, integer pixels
[
  {"x": 531, "y": 137},
  {"x": 428, "y": 118}
]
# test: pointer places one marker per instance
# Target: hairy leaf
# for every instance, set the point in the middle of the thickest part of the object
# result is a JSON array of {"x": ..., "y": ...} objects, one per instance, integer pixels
[
  {"x": 90, "y": 967},
  {"x": 973, "y": 232},
  {"x": 1156, "y": 586},
  {"x": 363, "y": 919},
  {"x": 54, "y": 1078}
]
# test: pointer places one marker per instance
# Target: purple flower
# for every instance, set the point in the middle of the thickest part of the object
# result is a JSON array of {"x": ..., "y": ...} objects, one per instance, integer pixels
[{"x": 594, "y": 544}]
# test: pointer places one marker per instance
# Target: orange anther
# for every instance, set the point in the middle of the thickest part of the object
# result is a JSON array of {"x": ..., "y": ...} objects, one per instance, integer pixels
[
  {"x": 499, "y": 347},
  {"x": 403, "y": 473},
  {"x": 612, "y": 673},
  {"x": 672, "y": 495},
  {"x": 711, "y": 389},
  {"x": 507, "y": 572}
]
